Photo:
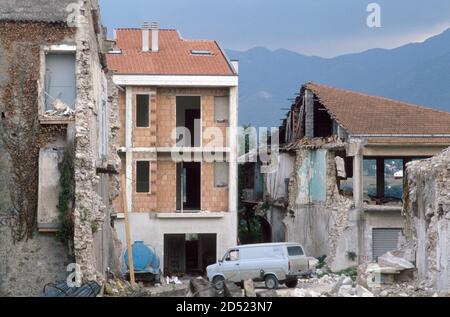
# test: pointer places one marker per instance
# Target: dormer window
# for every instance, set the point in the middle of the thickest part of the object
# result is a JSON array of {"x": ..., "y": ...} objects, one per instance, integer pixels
[{"x": 201, "y": 53}]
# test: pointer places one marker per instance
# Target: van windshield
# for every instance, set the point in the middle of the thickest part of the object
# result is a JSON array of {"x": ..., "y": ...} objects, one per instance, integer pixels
[{"x": 295, "y": 251}]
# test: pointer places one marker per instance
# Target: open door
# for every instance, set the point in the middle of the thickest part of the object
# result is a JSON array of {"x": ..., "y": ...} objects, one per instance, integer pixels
[{"x": 188, "y": 186}]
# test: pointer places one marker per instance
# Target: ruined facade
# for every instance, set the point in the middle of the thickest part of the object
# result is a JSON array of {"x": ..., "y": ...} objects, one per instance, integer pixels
[
  {"x": 58, "y": 131},
  {"x": 427, "y": 219},
  {"x": 178, "y": 114},
  {"x": 340, "y": 181}
]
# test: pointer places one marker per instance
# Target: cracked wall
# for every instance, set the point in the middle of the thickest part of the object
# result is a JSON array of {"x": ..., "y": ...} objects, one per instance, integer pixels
[
  {"x": 427, "y": 218},
  {"x": 94, "y": 239},
  {"x": 320, "y": 218},
  {"x": 27, "y": 262},
  {"x": 29, "y": 259}
]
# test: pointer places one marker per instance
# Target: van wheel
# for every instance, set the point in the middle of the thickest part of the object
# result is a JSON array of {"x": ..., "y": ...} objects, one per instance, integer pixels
[
  {"x": 219, "y": 283},
  {"x": 271, "y": 281},
  {"x": 291, "y": 283}
]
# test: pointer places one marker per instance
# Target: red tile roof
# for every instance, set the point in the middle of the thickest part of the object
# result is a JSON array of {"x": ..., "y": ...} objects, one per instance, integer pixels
[
  {"x": 362, "y": 114},
  {"x": 403, "y": 141},
  {"x": 174, "y": 56}
]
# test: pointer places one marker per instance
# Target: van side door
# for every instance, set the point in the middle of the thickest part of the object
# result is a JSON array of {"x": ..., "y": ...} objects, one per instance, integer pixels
[{"x": 230, "y": 266}]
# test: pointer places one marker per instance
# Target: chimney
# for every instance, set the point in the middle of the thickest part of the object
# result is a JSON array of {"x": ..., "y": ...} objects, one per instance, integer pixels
[
  {"x": 145, "y": 37},
  {"x": 155, "y": 36}
]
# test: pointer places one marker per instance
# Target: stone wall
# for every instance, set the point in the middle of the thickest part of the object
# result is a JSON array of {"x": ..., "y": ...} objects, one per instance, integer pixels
[
  {"x": 427, "y": 218},
  {"x": 28, "y": 259},
  {"x": 92, "y": 204}
]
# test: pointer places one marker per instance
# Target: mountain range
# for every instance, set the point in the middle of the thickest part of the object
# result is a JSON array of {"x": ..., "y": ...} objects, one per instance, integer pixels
[{"x": 417, "y": 73}]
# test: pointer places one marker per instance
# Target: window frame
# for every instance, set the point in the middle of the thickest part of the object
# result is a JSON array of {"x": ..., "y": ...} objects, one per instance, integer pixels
[
  {"x": 149, "y": 176},
  {"x": 44, "y": 51},
  {"x": 148, "y": 112},
  {"x": 227, "y": 120},
  {"x": 227, "y": 173}
]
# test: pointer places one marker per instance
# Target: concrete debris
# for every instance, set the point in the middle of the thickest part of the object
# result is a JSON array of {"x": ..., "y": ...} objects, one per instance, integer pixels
[
  {"x": 232, "y": 290},
  {"x": 202, "y": 288},
  {"x": 363, "y": 292},
  {"x": 346, "y": 291},
  {"x": 172, "y": 280},
  {"x": 340, "y": 167},
  {"x": 313, "y": 262},
  {"x": 390, "y": 260},
  {"x": 343, "y": 280},
  {"x": 269, "y": 293},
  {"x": 118, "y": 288},
  {"x": 249, "y": 288}
]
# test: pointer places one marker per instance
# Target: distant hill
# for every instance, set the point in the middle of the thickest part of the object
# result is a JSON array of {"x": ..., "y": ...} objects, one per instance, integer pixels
[{"x": 418, "y": 73}]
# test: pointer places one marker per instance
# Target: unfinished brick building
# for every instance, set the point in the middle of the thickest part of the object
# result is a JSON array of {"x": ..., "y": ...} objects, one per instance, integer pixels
[
  {"x": 339, "y": 188},
  {"x": 178, "y": 113},
  {"x": 57, "y": 144}
]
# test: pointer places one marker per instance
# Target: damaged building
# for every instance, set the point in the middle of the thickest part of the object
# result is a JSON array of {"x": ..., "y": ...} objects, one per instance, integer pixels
[
  {"x": 427, "y": 220},
  {"x": 339, "y": 186},
  {"x": 58, "y": 156},
  {"x": 178, "y": 115}
]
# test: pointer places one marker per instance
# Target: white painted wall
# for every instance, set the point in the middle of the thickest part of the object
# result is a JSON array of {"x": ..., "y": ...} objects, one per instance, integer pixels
[{"x": 148, "y": 227}]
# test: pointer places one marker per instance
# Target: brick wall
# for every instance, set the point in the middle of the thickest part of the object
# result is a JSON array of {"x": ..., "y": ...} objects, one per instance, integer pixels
[
  {"x": 213, "y": 199},
  {"x": 166, "y": 111},
  {"x": 166, "y": 193},
  {"x": 145, "y": 137},
  {"x": 163, "y": 172},
  {"x": 144, "y": 202},
  {"x": 209, "y": 122}
]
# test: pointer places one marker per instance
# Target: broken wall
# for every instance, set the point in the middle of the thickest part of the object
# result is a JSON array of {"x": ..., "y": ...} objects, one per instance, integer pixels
[
  {"x": 427, "y": 218},
  {"x": 319, "y": 218},
  {"x": 94, "y": 239},
  {"x": 29, "y": 260},
  {"x": 26, "y": 265}
]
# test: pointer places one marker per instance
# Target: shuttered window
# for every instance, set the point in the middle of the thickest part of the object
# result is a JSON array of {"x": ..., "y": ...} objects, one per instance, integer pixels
[
  {"x": 221, "y": 174},
  {"x": 384, "y": 240},
  {"x": 221, "y": 109},
  {"x": 143, "y": 177}
]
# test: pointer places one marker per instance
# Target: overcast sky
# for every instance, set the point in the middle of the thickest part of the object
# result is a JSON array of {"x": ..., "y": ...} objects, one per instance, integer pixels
[{"x": 313, "y": 27}]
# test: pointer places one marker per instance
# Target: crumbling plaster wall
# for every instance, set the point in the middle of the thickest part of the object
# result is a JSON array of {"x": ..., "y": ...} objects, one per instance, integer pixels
[
  {"x": 324, "y": 228},
  {"x": 27, "y": 265},
  {"x": 92, "y": 211},
  {"x": 427, "y": 218}
]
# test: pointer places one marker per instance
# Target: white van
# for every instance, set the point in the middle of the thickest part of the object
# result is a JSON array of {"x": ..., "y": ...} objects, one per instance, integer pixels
[{"x": 273, "y": 263}]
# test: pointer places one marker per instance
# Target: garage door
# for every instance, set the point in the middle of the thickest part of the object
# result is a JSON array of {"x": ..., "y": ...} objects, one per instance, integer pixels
[{"x": 384, "y": 240}]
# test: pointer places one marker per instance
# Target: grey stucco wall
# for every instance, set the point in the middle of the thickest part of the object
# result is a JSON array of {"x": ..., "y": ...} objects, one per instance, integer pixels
[
  {"x": 25, "y": 267},
  {"x": 35, "y": 10}
]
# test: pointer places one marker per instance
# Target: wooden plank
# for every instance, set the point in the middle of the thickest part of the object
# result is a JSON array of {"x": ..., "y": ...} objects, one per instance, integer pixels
[{"x": 128, "y": 232}]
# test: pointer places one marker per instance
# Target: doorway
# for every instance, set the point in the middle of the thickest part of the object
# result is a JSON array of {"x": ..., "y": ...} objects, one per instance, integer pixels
[
  {"x": 189, "y": 253},
  {"x": 189, "y": 117},
  {"x": 188, "y": 186}
]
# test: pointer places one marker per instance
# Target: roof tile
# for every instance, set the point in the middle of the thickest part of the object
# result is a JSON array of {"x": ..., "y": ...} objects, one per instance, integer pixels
[
  {"x": 173, "y": 58},
  {"x": 363, "y": 114}
]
